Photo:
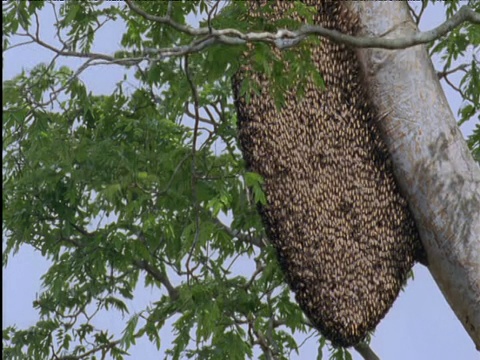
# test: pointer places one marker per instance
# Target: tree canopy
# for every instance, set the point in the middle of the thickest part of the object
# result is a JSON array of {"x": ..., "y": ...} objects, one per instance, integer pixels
[{"x": 146, "y": 187}]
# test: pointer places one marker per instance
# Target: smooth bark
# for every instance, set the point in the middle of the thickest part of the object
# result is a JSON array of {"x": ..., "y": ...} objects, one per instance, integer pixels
[{"x": 432, "y": 163}]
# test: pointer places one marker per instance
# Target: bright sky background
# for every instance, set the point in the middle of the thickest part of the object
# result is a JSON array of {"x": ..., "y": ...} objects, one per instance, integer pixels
[{"x": 421, "y": 325}]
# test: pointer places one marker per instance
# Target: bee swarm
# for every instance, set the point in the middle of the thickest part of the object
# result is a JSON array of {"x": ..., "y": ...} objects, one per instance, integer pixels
[{"x": 344, "y": 235}]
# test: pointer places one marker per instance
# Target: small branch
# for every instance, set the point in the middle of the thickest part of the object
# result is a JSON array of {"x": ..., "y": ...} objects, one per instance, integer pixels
[
  {"x": 424, "y": 6},
  {"x": 259, "y": 268},
  {"x": 53, "y": 95},
  {"x": 82, "y": 231},
  {"x": 456, "y": 88},
  {"x": 210, "y": 115},
  {"x": 193, "y": 116},
  {"x": 159, "y": 276},
  {"x": 418, "y": 17},
  {"x": 169, "y": 8},
  {"x": 210, "y": 15},
  {"x": 194, "y": 149},
  {"x": 93, "y": 56},
  {"x": 59, "y": 35},
  {"x": 413, "y": 13},
  {"x": 260, "y": 338},
  {"x": 141, "y": 264},
  {"x": 237, "y": 234},
  {"x": 19, "y": 44},
  {"x": 444, "y": 73},
  {"x": 170, "y": 182},
  {"x": 104, "y": 347},
  {"x": 366, "y": 351},
  {"x": 219, "y": 113},
  {"x": 167, "y": 20}
]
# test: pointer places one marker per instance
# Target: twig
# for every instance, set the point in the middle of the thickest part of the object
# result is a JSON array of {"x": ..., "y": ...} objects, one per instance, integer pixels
[
  {"x": 108, "y": 346},
  {"x": 210, "y": 115},
  {"x": 424, "y": 6},
  {"x": 259, "y": 268},
  {"x": 170, "y": 182},
  {"x": 193, "y": 116},
  {"x": 366, "y": 351},
  {"x": 456, "y": 88},
  {"x": 82, "y": 231},
  {"x": 237, "y": 234},
  {"x": 59, "y": 35},
  {"x": 210, "y": 15},
  {"x": 414, "y": 14},
  {"x": 194, "y": 178},
  {"x": 261, "y": 340},
  {"x": 167, "y": 20},
  {"x": 141, "y": 264},
  {"x": 89, "y": 55},
  {"x": 169, "y": 8},
  {"x": 445, "y": 72},
  {"x": 160, "y": 277},
  {"x": 19, "y": 44}
]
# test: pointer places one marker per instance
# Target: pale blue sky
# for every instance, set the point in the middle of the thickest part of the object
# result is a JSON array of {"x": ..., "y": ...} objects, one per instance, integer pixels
[{"x": 420, "y": 325}]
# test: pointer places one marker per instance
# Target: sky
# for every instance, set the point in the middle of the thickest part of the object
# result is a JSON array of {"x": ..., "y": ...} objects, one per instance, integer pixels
[{"x": 420, "y": 325}]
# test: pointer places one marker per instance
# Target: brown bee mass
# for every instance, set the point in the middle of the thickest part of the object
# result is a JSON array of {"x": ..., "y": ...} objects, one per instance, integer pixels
[{"x": 343, "y": 233}]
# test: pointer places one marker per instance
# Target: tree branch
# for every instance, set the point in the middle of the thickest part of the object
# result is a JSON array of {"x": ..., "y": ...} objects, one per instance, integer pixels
[
  {"x": 286, "y": 38},
  {"x": 89, "y": 55},
  {"x": 237, "y": 234},
  {"x": 159, "y": 276},
  {"x": 464, "y": 14},
  {"x": 141, "y": 264},
  {"x": 366, "y": 351},
  {"x": 167, "y": 20},
  {"x": 103, "y": 347},
  {"x": 194, "y": 175},
  {"x": 417, "y": 17},
  {"x": 457, "y": 89},
  {"x": 206, "y": 37},
  {"x": 445, "y": 72}
]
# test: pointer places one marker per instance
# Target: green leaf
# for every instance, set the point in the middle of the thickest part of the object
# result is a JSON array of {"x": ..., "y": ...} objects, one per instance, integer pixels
[{"x": 255, "y": 181}]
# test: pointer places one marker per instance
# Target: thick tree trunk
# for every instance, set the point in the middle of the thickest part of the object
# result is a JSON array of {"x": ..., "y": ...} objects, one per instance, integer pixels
[{"x": 432, "y": 162}]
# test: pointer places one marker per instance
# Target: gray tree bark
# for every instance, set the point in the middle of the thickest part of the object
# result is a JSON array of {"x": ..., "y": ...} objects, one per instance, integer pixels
[{"x": 432, "y": 163}]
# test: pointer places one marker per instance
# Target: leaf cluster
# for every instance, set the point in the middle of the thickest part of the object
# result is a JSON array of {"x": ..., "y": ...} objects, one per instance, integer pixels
[
  {"x": 463, "y": 43},
  {"x": 108, "y": 189}
]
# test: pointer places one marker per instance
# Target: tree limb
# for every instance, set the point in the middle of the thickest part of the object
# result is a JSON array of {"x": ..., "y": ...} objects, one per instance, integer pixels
[
  {"x": 236, "y": 37},
  {"x": 103, "y": 347},
  {"x": 445, "y": 72},
  {"x": 366, "y": 351},
  {"x": 159, "y": 276},
  {"x": 464, "y": 14},
  {"x": 193, "y": 170},
  {"x": 205, "y": 37},
  {"x": 141, "y": 264},
  {"x": 237, "y": 234}
]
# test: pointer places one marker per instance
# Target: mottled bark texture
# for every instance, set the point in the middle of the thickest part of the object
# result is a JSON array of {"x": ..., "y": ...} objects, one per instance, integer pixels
[{"x": 343, "y": 232}]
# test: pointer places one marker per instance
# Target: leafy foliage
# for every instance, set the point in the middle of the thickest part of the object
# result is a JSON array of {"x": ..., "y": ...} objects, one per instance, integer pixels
[
  {"x": 463, "y": 43},
  {"x": 109, "y": 189}
]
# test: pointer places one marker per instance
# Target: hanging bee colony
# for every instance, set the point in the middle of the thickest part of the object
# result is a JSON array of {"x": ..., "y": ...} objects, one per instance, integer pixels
[{"x": 344, "y": 235}]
